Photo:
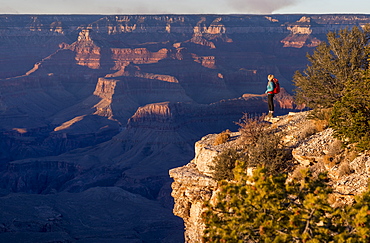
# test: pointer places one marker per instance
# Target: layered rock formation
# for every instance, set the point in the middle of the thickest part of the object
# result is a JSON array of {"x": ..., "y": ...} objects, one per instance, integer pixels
[
  {"x": 193, "y": 184},
  {"x": 301, "y": 34},
  {"x": 108, "y": 104}
]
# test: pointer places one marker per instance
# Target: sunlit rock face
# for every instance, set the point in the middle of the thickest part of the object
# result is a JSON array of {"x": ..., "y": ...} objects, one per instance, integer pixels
[
  {"x": 87, "y": 52},
  {"x": 106, "y": 105},
  {"x": 301, "y": 34},
  {"x": 194, "y": 186}
]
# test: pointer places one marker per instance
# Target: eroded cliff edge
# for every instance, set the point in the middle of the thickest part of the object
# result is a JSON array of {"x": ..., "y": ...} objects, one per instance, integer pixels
[
  {"x": 193, "y": 183},
  {"x": 95, "y": 107}
]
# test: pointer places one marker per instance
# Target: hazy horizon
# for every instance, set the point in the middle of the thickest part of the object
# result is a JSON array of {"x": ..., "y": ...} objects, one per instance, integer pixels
[{"x": 113, "y": 7}]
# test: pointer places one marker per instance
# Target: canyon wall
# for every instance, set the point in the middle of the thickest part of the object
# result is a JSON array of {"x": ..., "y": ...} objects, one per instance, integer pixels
[
  {"x": 194, "y": 186},
  {"x": 95, "y": 106}
]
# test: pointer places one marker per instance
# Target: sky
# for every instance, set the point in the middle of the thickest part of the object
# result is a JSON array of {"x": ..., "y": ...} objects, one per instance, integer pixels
[{"x": 183, "y": 6}]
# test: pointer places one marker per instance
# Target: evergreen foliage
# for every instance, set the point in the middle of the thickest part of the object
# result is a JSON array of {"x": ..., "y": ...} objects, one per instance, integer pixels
[
  {"x": 351, "y": 115},
  {"x": 359, "y": 218},
  {"x": 332, "y": 64},
  {"x": 263, "y": 145},
  {"x": 224, "y": 164},
  {"x": 263, "y": 148},
  {"x": 269, "y": 152},
  {"x": 267, "y": 208},
  {"x": 338, "y": 78}
]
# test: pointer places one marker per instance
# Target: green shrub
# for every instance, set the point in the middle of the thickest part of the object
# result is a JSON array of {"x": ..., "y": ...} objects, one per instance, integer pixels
[
  {"x": 333, "y": 62},
  {"x": 224, "y": 164},
  {"x": 338, "y": 78},
  {"x": 350, "y": 118},
  {"x": 268, "y": 152},
  {"x": 267, "y": 208}
]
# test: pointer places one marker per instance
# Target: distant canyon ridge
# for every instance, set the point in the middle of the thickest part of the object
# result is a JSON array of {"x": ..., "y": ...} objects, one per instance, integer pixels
[{"x": 95, "y": 110}]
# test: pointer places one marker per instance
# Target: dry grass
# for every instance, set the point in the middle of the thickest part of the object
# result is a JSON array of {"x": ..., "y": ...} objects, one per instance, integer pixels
[
  {"x": 308, "y": 130},
  {"x": 312, "y": 127},
  {"x": 336, "y": 147},
  {"x": 251, "y": 128},
  {"x": 321, "y": 114},
  {"x": 222, "y": 137},
  {"x": 351, "y": 155},
  {"x": 320, "y": 125},
  {"x": 347, "y": 157},
  {"x": 344, "y": 169},
  {"x": 332, "y": 199},
  {"x": 329, "y": 160},
  {"x": 320, "y": 119},
  {"x": 334, "y": 155}
]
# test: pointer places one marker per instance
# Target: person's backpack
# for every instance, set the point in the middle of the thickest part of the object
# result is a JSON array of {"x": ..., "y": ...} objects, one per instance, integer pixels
[{"x": 276, "y": 86}]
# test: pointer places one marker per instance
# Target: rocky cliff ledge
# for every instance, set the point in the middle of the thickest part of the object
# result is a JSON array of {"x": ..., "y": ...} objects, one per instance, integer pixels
[{"x": 193, "y": 184}]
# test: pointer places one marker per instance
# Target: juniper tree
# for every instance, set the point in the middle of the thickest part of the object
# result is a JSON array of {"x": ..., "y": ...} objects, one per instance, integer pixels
[
  {"x": 266, "y": 208},
  {"x": 332, "y": 64},
  {"x": 354, "y": 220},
  {"x": 350, "y": 117},
  {"x": 224, "y": 164}
]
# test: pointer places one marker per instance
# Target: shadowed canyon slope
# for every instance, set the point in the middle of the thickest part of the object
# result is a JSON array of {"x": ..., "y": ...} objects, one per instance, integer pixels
[{"x": 95, "y": 110}]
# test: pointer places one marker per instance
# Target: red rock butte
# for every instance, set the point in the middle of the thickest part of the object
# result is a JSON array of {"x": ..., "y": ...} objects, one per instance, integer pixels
[{"x": 95, "y": 110}]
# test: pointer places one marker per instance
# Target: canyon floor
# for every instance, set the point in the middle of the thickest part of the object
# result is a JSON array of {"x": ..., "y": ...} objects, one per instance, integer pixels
[{"x": 95, "y": 110}]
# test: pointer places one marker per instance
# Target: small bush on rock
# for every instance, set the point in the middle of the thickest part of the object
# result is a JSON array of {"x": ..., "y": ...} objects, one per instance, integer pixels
[
  {"x": 334, "y": 155},
  {"x": 224, "y": 164},
  {"x": 268, "y": 152},
  {"x": 344, "y": 169},
  {"x": 251, "y": 127},
  {"x": 308, "y": 130},
  {"x": 222, "y": 137},
  {"x": 263, "y": 148}
]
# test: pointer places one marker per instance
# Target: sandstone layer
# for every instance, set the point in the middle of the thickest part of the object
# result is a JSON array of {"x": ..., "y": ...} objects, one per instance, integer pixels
[
  {"x": 193, "y": 183},
  {"x": 108, "y": 104}
]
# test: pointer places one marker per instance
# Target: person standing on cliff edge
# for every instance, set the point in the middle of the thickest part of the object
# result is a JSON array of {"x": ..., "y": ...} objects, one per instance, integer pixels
[{"x": 270, "y": 94}]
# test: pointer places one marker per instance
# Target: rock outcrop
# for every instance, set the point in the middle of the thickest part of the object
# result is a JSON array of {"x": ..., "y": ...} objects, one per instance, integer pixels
[
  {"x": 193, "y": 184},
  {"x": 301, "y": 34},
  {"x": 101, "y": 102}
]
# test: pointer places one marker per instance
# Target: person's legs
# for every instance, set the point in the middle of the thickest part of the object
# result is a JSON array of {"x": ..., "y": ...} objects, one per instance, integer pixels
[{"x": 270, "y": 101}]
